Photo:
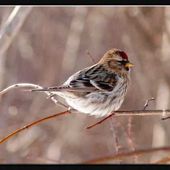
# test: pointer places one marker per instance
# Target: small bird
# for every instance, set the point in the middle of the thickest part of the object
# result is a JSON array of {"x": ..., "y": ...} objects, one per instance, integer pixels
[{"x": 98, "y": 89}]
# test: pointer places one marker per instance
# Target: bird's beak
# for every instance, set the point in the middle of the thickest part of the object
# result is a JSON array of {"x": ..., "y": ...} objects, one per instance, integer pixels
[{"x": 129, "y": 65}]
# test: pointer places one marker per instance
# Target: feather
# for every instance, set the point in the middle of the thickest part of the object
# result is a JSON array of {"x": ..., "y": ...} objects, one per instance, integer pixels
[{"x": 98, "y": 78}]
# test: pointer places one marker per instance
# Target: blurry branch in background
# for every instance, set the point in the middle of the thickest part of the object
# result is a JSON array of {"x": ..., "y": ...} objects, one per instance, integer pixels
[
  {"x": 128, "y": 154},
  {"x": 74, "y": 38},
  {"x": 130, "y": 139},
  {"x": 13, "y": 24},
  {"x": 8, "y": 32},
  {"x": 163, "y": 160},
  {"x": 141, "y": 24},
  {"x": 28, "y": 86}
]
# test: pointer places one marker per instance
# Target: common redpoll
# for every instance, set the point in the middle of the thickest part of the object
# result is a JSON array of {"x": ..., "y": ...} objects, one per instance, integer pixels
[{"x": 99, "y": 89}]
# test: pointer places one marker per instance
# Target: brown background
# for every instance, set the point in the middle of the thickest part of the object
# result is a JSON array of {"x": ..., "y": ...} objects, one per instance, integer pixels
[{"x": 50, "y": 46}]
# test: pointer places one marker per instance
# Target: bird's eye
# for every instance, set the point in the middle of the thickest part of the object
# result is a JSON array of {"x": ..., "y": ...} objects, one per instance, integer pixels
[
  {"x": 122, "y": 62},
  {"x": 119, "y": 62},
  {"x": 127, "y": 68}
]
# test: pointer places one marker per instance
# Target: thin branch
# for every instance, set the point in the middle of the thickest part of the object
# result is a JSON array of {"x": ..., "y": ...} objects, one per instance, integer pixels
[
  {"x": 8, "y": 32},
  {"x": 114, "y": 129},
  {"x": 31, "y": 125},
  {"x": 113, "y": 114},
  {"x": 129, "y": 134},
  {"x": 12, "y": 26},
  {"x": 147, "y": 103},
  {"x": 163, "y": 113},
  {"x": 58, "y": 114},
  {"x": 99, "y": 122},
  {"x": 27, "y": 86},
  {"x": 129, "y": 129},
  {"x": 165, "y": 118},
  {"x": 74, "y": 38},
  {"x": 127, "y": 155}
]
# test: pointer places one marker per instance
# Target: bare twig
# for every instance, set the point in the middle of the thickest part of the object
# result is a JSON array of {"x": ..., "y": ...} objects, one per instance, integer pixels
[
  {"x": 32, "y": 124},
  {"x": 99, "y": 122},
  {"x": 162, "y": 113},
  {"x": 27, "y": 86},
  {"x": 41, "y": 121},
  {"x": 74, "y": 38},
  {"x": 130, "y": 137},
  {"x": 8, "y": 32},
  {"x": 12, "y": 26},
  {"x": 113, "y": 114},
  {"x": 127, "y": 155},
  {"x": 165, "y": 118},
  {"x": 147, "y": 103},
  {"x": 113, "y": 128}
]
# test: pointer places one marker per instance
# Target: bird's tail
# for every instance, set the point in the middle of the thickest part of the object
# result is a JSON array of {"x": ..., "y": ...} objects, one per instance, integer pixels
[
  {"x": 64, "y": 89},
  {"x": 48, "y": 89}
]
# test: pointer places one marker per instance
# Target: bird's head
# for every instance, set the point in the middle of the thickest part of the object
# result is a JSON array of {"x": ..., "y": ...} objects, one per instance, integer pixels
[{"x": 116, "y": 60}]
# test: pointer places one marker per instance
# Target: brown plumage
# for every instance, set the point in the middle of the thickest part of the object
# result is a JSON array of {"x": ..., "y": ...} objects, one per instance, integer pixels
[{"x": 99, "y": 89}]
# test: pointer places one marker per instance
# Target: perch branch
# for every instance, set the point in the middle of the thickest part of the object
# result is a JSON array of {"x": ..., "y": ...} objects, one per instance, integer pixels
[
  {"x": 113, "y": 114},
  {"x": 117, "y": 114},
  {"x": 163, "y": 113},
  {"x": 27, "y": 86}
]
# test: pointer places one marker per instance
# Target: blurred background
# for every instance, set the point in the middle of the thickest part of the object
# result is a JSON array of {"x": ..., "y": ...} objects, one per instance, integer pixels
[{"x": 45, "y": 45}]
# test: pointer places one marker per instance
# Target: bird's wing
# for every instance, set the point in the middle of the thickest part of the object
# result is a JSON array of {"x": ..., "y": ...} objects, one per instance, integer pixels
[{"x": 93, "y": 78}]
